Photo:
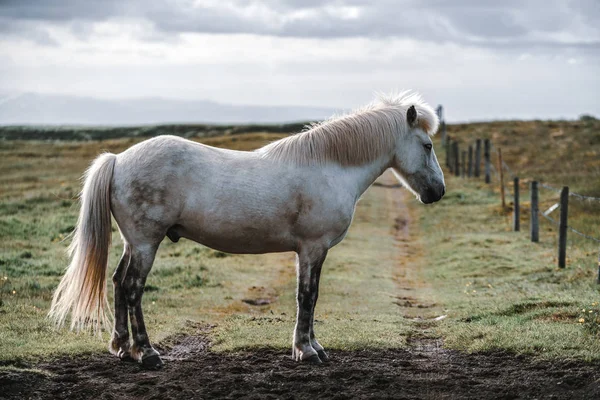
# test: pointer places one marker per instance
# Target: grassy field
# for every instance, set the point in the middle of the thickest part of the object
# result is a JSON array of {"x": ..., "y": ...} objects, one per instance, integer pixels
[
  {"x": 556, "y": 153},
  {"x": 501, "y": 290},
  {"x": 188, "y": 282},
  {"x": 498, "y": 290}
]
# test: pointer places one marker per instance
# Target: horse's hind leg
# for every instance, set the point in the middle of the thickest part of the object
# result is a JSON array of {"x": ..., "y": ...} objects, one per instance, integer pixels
[
  {"x": 310, "y": 261},
  {"x": 142, "y": 258},
  {"x": 119, "y": 344}
]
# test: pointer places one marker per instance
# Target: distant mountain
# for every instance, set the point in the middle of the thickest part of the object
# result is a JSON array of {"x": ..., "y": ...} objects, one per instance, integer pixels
[{"x": 39, "y": 109}]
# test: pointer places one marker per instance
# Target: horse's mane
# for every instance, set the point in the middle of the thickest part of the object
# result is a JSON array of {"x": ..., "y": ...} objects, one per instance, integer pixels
[{"x": 357, "y": 137}]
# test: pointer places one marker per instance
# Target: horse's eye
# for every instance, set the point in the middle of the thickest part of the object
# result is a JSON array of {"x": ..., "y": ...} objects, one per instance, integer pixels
[{"x": 428, "y": 146}]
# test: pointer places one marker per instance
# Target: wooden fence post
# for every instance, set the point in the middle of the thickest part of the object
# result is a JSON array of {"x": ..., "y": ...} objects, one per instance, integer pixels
[
  {"x": 535, "y": 222},
  {"x": 486, "y": 156},
  {"x": 562, "y": 227},
  {"x": 477, "y": 157},
  {"x": 448, "y": 150},
  {"x": 443, "y": 126},
  {"x": 455, "y": 158},
  {"x": 598, "y": 281},
  {"x": 463, "y": 164},
  {"x": 470, "y": 166},
  {"x": 517, "y": 210},
  {"x": 501, "y": 178},
  {"x": 451, "y": 157}
]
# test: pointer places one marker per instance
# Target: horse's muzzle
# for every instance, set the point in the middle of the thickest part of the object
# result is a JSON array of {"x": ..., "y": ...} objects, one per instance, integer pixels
[{"x": 433, "y": 195}]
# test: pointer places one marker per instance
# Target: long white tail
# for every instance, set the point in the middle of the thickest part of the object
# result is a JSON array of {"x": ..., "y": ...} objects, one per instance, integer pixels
[{"x": 82, "y": 289}]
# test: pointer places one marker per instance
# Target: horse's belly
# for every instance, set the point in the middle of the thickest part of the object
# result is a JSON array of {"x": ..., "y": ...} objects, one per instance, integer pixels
[
  {"x": 254, "y": 218},
  {"x": 241, "y": 239}
]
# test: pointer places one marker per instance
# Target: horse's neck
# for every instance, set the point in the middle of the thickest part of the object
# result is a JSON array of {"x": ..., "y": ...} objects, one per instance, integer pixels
[{"x": 359, "y": 178}]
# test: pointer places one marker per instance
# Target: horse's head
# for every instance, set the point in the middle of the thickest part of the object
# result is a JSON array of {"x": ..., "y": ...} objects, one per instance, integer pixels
[{"x": 416, "y": 163}]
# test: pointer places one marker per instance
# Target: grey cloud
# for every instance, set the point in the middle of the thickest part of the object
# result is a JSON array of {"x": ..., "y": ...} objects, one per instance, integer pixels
[
  {"x": 60, "y": 10},
  {"x": 26, "y": 29},
  {"x": 589, "y": 10},
  {"x": 487, "y": 23},
  {"x": 468, "y": 22}
]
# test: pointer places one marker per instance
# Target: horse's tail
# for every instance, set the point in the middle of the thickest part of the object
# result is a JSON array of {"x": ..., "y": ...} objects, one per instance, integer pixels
[{"x": 82, "y": 289}]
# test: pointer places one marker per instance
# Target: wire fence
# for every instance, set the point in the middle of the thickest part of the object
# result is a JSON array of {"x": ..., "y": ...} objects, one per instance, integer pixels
[
  {"x": 507, "y": 168},
  {"x": 555, "y": 222},
  {"x": 554, "y": 189},
  {"x": 575, "y": 195},
  {"x": 489, "y": 170},
  {"x": 572, "y": 194}
]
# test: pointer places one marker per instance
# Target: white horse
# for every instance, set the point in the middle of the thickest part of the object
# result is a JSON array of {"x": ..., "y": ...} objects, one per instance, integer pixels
[{"x": 296, "y": 194}]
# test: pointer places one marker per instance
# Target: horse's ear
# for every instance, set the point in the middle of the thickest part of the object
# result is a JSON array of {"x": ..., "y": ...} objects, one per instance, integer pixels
[{"x": 411, "y": 116}]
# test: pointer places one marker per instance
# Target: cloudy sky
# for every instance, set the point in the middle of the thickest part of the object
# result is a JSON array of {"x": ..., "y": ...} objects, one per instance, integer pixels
[{"x": 481, "y": 59}]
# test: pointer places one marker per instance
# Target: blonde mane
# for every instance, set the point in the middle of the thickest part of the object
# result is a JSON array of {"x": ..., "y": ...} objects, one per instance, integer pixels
[{"x": 355, "y": 138}]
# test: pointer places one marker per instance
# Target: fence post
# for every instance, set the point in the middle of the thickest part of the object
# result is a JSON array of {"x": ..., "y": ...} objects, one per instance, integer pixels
[
  {"x": 477, "y": 157},
  {"x": 470, "y": 166},
  {"x": 598, "y": 281},
  {"x": 455, "y": 158},
  {"x": 501, "y": 178},
  {"x": 517, "y": 210},
  {"x": 562, "y": 227},
  {"x": 463, "y": 164},
  {"x": 452, "y": 154},
  {"x": 486, "y": 156},
  {"x": 443, "y": 126},
  {"x": 535, "y": 222},
  {"x": 448, "y": 150}
]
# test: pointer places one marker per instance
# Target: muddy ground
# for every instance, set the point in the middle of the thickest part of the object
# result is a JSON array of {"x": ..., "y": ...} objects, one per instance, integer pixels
[{"x": 193, "y": 371}]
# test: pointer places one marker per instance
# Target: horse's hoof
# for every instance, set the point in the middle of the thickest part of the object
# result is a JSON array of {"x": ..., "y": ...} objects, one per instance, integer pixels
[
  {"x": 152, "y": 362},
  {"x": 126, "y": 357},
  {"x": 323, "y": 356},
  {"x": 314, "y": 359}
]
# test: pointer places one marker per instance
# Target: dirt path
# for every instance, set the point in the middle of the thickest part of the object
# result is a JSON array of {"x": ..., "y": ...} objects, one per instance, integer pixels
[
  {"x": 414, "y": 294},
  {"x": 424, "y": 370}
]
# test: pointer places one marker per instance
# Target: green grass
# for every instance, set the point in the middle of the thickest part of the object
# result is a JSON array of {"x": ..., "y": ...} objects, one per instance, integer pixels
[
  {"x": 188, "y": 281},
  {"x": 558, "y": 153},
  {"x": 499, "y": 290},
  {"x": 191, "y": 282}
]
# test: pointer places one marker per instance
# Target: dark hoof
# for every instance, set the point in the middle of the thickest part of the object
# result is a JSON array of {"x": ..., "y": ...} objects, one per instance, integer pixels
[
  {"x": 314, "y": 359},
  {"x": 152, "y": 362},
  {"x": 323, "y": 356},
  {"x": 126, "y": 358}
]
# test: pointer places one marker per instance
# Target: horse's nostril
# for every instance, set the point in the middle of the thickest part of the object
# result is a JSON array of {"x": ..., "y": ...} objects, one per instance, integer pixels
[{"x": 443, "y": 191}]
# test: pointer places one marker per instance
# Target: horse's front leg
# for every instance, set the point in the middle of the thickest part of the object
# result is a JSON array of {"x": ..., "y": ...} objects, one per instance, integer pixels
[
  {"x": 315, "y": 277},
  {"x": 308, "y": 267}
]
